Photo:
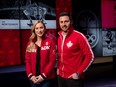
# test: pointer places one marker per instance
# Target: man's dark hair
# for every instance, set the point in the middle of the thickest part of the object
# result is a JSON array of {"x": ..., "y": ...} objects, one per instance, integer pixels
[{"x": 65, "y": 14}]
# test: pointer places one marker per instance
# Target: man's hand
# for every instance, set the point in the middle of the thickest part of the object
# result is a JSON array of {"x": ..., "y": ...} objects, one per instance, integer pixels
[{"x": 74, "y": 76}]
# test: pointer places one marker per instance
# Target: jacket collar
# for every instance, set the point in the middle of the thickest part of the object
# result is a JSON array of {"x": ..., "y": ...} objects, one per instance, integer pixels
[{"x": 69, "y": 31}]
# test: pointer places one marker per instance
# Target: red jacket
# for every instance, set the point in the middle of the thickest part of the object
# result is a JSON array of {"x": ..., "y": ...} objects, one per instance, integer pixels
[
  {"x": 75, "y": 54},
  {"x": 47, "y": 61}
]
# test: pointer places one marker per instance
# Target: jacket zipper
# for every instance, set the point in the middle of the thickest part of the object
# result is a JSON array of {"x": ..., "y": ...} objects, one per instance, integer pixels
[{"x": 63, "y": 39}]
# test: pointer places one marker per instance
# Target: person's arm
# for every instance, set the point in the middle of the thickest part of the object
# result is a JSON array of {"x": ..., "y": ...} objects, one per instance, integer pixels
[
  {"x": 28, "y": 62},
  {"x": 52, "y": 60},
  {"x": 88, "y": 56}
]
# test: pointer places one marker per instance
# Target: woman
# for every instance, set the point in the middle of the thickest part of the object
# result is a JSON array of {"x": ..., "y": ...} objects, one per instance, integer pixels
[{"x": 40, "y": 57}]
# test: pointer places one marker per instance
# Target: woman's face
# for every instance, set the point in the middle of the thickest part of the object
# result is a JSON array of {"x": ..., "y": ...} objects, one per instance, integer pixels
[{"x": 39, "y": 29}]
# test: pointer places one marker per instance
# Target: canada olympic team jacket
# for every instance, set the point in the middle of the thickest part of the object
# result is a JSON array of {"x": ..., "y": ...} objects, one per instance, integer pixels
[
  {"x": 74, "y": 54},
  {"x": 47, "y": 59}
]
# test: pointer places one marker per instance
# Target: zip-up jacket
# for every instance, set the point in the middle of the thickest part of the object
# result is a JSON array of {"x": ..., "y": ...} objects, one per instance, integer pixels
[
  {"x": 74, "y": 53},
  {"x": 47, "y": 59}
]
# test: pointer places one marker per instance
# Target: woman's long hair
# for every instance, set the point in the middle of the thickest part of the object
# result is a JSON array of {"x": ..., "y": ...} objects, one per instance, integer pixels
[{"x": 33, "y": 37}]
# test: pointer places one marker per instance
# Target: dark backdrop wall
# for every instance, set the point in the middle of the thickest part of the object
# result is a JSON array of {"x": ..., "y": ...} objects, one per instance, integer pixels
[
  {"x": 17, "y": 17},
  {"x": 92, "y": 18}
]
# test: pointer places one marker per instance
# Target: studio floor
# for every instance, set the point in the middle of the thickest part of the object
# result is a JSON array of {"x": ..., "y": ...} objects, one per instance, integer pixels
[{"x": 98, "y": 75}]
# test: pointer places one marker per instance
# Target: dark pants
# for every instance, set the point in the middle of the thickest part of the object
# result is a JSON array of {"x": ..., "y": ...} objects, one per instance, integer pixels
[{"x": 63, "y": 82}]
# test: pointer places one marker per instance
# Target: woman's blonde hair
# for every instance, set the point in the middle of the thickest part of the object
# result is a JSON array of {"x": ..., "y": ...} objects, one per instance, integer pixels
[{"x": 33, "y": 36}]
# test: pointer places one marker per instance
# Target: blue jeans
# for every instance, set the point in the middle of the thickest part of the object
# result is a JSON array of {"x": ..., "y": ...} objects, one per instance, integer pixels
[{"x": 45, "y": 83}]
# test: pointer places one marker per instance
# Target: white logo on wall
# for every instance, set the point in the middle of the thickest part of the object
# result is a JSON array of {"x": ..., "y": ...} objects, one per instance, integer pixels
[{"x": 88, "y": 21}]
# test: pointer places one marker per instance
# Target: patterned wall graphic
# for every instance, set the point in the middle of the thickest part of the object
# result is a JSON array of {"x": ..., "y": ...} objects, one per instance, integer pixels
[
  {"x": 16, "y": 19},
  {"x": 27, "y": 11},
  {"x": 87, "y": 19},
  {"x": 95, "y": 18},
  {"x": 9, "y": 47},
  {"x": 109, "y": 42}
]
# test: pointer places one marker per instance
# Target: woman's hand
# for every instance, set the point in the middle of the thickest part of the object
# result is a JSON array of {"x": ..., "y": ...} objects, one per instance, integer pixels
[
  {"x": 39, "y": 79},
  {"x": 33, "y": 79}
]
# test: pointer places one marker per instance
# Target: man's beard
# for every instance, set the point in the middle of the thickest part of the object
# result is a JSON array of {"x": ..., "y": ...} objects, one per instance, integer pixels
[{"x": 65, "y": 28}]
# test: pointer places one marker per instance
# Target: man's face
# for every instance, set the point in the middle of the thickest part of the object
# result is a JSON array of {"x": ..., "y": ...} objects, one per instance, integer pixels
[{"x": 64, "y": 23}]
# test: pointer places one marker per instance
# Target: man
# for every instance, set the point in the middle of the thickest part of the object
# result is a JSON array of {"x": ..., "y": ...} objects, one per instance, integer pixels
[{"x": 74, "y": 54}]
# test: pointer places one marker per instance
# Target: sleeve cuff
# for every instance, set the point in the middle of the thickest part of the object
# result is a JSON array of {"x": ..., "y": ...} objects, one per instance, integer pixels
[
  {"x": 43, "y": 76},
  {"x": 78, "y": 74},
  {"x": 30, "y": 75}
]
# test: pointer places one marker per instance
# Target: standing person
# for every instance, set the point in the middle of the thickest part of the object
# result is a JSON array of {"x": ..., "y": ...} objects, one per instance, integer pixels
[
  {"x": 40, "y": 57},
  {"x": 74, "y": 54}
]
